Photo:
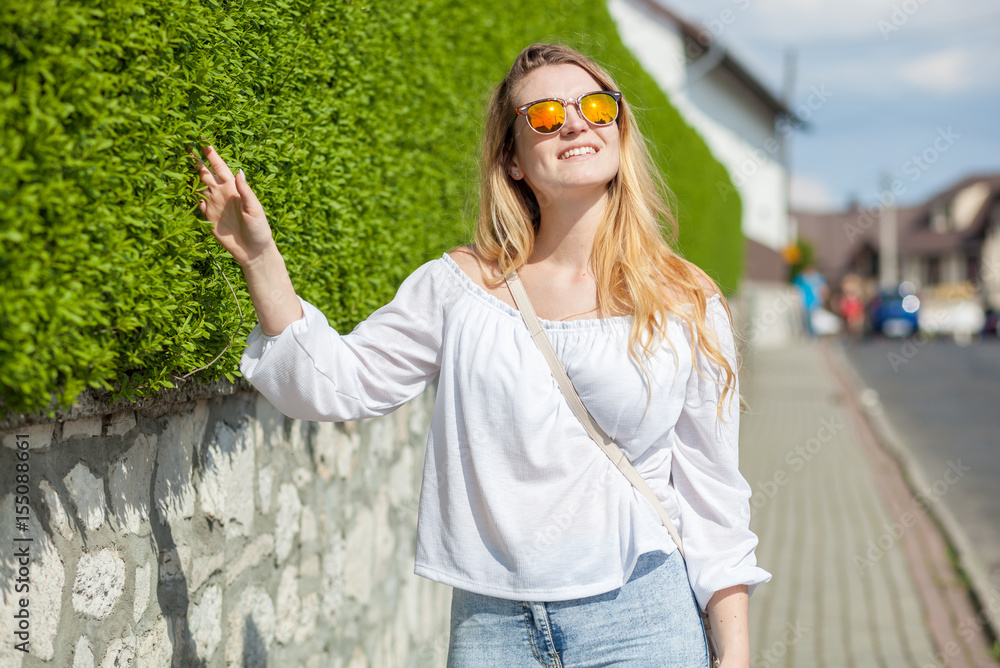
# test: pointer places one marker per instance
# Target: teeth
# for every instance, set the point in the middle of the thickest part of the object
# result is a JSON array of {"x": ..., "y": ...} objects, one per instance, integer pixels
[{"x": 577, "y": 151}]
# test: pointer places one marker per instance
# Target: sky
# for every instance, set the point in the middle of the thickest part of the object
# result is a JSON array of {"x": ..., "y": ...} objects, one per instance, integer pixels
[{"x": 913, "y": 85}]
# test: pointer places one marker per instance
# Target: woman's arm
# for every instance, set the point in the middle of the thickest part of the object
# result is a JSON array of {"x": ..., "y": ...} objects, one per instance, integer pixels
[
  {"x": 241, "y": 227},
  {"x": 728, "y": 614},
  {"x": 713, "y": 498},
  {"x": 294, "y": 358}
]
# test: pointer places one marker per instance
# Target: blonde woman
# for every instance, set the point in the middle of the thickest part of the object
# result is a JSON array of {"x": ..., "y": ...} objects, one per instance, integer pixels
[{"x": 554, "y": 557}]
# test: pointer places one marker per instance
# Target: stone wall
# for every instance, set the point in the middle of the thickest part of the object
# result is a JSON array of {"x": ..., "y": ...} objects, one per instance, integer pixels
[{"x": 218, "y": 532}]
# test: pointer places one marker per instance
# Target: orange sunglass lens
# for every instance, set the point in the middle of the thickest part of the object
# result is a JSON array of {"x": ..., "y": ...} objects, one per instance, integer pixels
[
  {"x": 599, "y": 108},
  {"x": 546, "y": 116}
]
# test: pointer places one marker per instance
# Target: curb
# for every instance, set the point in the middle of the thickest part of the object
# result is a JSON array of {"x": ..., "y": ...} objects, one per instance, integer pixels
[{"x": 969, "y": 563}]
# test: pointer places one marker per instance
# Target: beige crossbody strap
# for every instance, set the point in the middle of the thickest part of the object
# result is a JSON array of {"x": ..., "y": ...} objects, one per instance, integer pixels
[{"x": 610, "y": 448}]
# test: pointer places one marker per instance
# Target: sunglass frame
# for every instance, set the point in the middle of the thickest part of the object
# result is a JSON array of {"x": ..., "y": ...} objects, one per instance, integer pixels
[{"x": 523, "y": 109}]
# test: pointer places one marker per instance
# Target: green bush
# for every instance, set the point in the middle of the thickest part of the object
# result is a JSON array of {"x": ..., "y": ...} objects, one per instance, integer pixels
[{"x": 357, "y": 123}]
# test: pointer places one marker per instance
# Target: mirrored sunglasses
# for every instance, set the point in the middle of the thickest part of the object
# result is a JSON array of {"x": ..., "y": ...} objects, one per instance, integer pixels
[{"x": 548, "y": 115}]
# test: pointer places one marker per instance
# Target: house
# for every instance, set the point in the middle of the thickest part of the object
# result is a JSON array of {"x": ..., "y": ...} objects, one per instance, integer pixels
[
  {"x": 951, "y": 239},
  {"x": 743, "y": 124}
]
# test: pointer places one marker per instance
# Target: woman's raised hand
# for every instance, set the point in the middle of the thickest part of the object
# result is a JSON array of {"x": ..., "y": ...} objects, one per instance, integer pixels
[
  {"x": 238, "y": 219},
  {"x": 239, "y": 223}
]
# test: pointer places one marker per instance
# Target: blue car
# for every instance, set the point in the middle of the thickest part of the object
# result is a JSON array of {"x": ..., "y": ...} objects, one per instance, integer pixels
[{"x": 894, "y": 311}]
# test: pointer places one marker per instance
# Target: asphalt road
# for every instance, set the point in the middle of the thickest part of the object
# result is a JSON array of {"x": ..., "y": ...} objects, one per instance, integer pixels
[{"x": 944, "y": 400}]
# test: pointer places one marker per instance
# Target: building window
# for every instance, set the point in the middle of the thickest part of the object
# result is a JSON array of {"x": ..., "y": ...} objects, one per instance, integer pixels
[
  {"x": 941, "y": 217},
  {"x": 972, "y": 268},
  {"x": 933, "y": 270}
]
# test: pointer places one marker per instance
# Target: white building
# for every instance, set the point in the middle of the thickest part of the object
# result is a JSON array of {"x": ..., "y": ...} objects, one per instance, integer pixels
[{"x": 742, "y": 123}]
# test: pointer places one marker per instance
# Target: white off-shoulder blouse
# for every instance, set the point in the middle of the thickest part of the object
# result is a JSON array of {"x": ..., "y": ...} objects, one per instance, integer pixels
[{"x": 517, "y": 501}]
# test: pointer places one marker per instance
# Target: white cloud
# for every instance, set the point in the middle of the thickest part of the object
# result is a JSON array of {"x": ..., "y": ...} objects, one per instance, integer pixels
[
  {"x": 811, "y": 194},
  {"x": 945, "y": 71}
]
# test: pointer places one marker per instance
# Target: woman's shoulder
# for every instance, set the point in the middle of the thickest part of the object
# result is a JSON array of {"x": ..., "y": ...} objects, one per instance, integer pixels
[
  {"x": 436, "y": 281},
  {"x": 466, "y": 259},
  {"x": 473, "y": 265},
  {"x": 697, "y": 286},
  {"x": 482, "y": 272}
]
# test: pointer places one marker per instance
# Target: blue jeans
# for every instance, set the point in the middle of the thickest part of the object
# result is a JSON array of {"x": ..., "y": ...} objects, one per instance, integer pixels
[{"x": 653, "y": 620}]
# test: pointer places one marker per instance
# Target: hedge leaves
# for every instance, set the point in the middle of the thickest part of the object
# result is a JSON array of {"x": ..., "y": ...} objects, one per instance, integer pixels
[{"x": 356, "y": 122}]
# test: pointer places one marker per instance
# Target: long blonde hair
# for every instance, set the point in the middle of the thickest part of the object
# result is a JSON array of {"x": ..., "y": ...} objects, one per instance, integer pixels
[{"x": 632, "y": 262}]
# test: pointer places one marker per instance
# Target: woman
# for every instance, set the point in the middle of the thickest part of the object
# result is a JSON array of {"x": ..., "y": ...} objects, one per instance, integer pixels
[{"x": 554, "y": 558}]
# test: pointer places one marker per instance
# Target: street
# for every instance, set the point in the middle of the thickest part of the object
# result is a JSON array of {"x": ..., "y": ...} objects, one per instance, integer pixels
[{"x": 944, "y": 400}]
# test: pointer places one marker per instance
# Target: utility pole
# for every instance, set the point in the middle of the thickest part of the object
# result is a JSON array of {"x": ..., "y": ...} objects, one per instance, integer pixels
[
  {"x": 888, "y": 238},
  {"x": 785, "y": 130}
]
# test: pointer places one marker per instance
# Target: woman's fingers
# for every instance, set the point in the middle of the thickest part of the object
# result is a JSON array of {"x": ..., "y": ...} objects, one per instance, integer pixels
[
  {"x": 219, "y": 165},
  {"x": 207, "y": 177},
  {"x": 251, "y": 204}
]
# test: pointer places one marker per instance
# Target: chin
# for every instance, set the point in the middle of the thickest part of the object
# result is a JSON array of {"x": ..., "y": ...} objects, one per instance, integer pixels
[{"x": 592, "y": 181}]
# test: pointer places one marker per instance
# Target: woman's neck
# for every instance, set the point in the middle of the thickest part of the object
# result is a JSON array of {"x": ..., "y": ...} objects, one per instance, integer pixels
[{"x": 568, "y": 227}]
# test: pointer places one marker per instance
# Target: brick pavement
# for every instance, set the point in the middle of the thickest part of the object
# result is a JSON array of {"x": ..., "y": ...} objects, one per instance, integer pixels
[{"x": 843, "y": 592}]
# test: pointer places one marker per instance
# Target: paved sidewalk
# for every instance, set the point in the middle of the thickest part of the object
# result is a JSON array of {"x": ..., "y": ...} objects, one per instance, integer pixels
[{"x": 844, "y": 592}]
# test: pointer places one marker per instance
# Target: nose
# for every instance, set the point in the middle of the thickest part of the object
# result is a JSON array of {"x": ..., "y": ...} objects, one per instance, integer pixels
[{"x": 575, "y": 122}]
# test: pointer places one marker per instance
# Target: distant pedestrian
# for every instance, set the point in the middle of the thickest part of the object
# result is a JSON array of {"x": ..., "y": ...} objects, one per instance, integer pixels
[
  {"x": 852, "y": 305},
  {"x": 813, "y": 289}
]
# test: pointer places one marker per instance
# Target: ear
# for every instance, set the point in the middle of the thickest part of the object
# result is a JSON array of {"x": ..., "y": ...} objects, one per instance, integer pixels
[{"x": 514, "y": 170}]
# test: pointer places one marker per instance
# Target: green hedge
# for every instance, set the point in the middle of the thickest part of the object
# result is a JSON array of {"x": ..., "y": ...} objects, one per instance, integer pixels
[{"x": 356, "y": 122}]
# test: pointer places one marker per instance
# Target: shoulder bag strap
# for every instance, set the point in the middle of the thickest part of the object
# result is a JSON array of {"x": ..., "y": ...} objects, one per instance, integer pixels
[{"x": 608, "y": 446}]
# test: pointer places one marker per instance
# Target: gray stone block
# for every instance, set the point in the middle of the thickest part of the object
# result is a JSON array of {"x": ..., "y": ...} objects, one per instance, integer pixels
[
  {"x": 57, "y": 512},
  {"x": 261, "y": 546},
  {"x": 270, "y": 424},
  {"x": 38, "y": 436},
  {"x": 86, "y": 427},
  {"x": 332, "y": 585},
  {"x": 99, "y": 583},
  {"x": 308, "y": 614},
  {"x": 173, "y": 491},
  {"x": 265, "y": 487},
  {"x": 226, "y": 488},
  {"x": 121, "y": 423},
  {"x": 250, "y": 629},
  {"x": 308, "y": 531},
  {"x": 83, "y": 655},
  {"x": 120, "y": 653},
  {"x": 288, "y": 606},
  {"x": 143, "y": 578},
  {"x": 360, "y": 563},
  {"x": 47, "y": 579},
  {"x": 286, "y": 525},
  {"x": 87, "y": 492},
  {"x": 202, "y": 569},
  {"x": 156, "y": 648},
  {"x": 174, "y": 563},
  {"x": 205, "y": 623},
  {"x": 47, "y": 597},
  {"x": 301, "y": 477},
  {"x": 130, "y": 483}
]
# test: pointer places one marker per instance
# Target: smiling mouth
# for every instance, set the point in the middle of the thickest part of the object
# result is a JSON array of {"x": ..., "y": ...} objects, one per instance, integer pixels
[{"x": 583, "y": 150}]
